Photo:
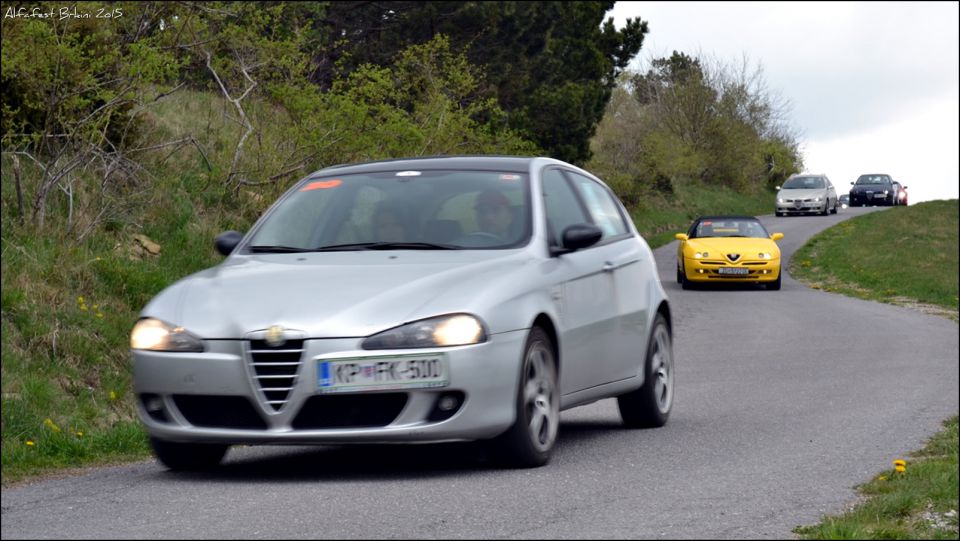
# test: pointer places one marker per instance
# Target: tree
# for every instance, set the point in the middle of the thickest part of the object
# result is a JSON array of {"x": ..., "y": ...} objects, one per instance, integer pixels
[{"x": 550, "y": 65}]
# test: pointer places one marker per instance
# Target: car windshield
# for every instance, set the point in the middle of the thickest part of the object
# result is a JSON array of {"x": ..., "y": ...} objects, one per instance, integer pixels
[
  {"x": 799, "y": 183},
  {"x": 417, "y": 210},
  {"x": 729, "y": 227},
  {"x": 873, "y": 179}
]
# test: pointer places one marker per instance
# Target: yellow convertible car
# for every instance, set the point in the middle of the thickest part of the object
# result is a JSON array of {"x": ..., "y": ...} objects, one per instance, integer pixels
[{"x": 728, "y": 249}]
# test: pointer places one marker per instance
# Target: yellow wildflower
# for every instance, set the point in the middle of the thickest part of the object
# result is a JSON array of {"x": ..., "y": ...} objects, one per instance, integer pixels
[
  {"x": 30, "y": 443},
  {"x": 900, "y": 465},
  {"x": 79, "y": 434},
  {"x": 83, "y": 307},
  {"x": 79, "y": 300},
  {"x": 113, "y": 395},
  {"x": 100, "y": 315},
  {"x": 882, "y": 478},
  {"x": 51, "y": 425}
]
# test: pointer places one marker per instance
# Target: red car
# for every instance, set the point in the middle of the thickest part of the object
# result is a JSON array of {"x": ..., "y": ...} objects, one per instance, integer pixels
[{"x": 900, "y": 194}]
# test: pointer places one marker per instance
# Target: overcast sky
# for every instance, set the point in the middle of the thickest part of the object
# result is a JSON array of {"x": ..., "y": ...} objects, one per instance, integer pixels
[{"x": 873, "y": 87}]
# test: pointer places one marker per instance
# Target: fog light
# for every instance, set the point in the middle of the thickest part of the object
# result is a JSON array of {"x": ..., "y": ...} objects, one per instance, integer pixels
[
  {"x": 153, "y": 405},
  {"x": 448, "y": 403},
  {"x": 446, "y": 406}
]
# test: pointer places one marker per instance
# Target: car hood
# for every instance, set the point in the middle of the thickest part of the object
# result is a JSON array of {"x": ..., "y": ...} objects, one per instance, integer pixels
[
  {"x": 870, "y": 188},
  {"x": 747, "y": 247},
  {"x": 326, "y": 295},
  {"x": 802, "y": 194}
]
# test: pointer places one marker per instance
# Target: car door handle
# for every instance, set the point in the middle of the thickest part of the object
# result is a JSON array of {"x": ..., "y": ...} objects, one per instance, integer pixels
[{"x": 610, "y": 266}]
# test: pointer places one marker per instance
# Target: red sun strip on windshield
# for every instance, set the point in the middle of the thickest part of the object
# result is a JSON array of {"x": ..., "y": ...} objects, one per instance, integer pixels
[{"x": 322, "y": 185}]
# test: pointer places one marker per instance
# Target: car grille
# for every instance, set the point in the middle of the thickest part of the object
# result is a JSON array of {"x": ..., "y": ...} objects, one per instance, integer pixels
[
  {"x": 275, "y": 369},
  {"x": 219, "y": 411},
  {"x": 350, "y": 411}
]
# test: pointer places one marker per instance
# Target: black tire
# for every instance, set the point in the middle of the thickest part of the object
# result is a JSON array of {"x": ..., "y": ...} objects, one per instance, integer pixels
[
  {"x": 650, "y": 405},
  {"x": 779, "y": 214},
  {"x": 775, "y": 285},
  {"x": 529, "y": 442},
  {"x": 188, "y": 456},
  {"x": 679, "y": 276}
]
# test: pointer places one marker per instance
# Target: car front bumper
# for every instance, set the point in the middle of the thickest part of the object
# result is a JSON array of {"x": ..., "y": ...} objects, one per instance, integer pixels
[
  {"x": 805, "y": 207},
  {"x": 870, "y": 199},
  {"x": 213, "y": 397},
  {"x": 708, "y": 270}
]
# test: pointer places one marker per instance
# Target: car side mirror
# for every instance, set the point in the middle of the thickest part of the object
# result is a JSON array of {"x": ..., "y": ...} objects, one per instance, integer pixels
[
  {"x": 776, "y": 236},
  {"x": 577, "y": 237},
  {"x": 681, "y": 236},
  {"x": 227, "y": 241},
  {"x": 852, "y": 183},
  {"x": 906, "y": 187}
]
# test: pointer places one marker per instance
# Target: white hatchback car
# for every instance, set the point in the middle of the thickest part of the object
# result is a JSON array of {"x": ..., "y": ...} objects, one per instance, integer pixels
[
  {"x": 418, "y": 300},
  {"x": 806, "y": 194}
]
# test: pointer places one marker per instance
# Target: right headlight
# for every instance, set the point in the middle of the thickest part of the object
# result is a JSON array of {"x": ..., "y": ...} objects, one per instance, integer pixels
[
  {"x": 155, "y": 335},
  {"x": 443, "y": 331}
]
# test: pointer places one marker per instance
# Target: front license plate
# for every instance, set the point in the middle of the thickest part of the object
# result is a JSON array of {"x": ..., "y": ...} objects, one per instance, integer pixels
[
  {"x": 879, "y": 195},
  {"x": 382, "y": 373},
  {"x": 733, "y": 270}
]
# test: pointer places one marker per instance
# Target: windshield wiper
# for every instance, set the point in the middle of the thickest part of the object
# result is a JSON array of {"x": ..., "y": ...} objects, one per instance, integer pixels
[
  {"x": 277, "y": 249},
  {"x": 386, "y": 246}
]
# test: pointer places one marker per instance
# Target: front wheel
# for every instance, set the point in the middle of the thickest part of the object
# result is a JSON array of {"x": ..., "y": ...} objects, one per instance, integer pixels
[
  {"x": 650, "y": 405},
  {"x": 529, "y": 442},
  {"x": 188, "y": 456},
  {"x": 775, "y": 285}
]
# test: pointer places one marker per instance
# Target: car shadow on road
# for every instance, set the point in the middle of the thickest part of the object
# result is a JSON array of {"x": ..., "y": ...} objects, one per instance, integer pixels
[
  {"x": 359, "y": 462},
  {"x": 378, "y": 462}
]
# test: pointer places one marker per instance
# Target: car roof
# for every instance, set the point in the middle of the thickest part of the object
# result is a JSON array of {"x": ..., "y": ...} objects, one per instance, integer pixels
[{"x": 491, "y": 163}]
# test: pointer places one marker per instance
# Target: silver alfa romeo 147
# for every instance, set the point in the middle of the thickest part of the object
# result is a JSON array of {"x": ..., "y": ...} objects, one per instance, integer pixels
[{"x": 415, "y": 300}]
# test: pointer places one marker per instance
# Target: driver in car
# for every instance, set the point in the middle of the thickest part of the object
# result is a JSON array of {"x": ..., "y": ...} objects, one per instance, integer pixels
[{"x": 494, "y": 214}]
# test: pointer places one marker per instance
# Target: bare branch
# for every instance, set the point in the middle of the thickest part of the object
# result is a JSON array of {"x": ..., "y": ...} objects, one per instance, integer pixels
[
  {"x": 236, "y": 103},
  {"x": 165, "y": 94}
]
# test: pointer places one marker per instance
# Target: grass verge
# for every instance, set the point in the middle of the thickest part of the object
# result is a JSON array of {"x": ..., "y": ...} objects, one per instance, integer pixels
[
  {"x": 905, "y": 255},
  {"x": 919, "y": 502}
]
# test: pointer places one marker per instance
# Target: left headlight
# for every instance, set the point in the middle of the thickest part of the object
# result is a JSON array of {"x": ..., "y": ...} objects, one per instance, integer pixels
[
  {"x": 449, "y": 330},
  {"x": 156, "y": 335},
  {"x": 764, "y": 255}
]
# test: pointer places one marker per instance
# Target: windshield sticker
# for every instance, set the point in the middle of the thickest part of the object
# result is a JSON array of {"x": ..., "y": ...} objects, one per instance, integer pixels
[
  {"x": 509, "y": 177},
  {"x": 707, "y": 223},
  {"x": 408, "y": 174},
  {"x": 322, "y": 185}
]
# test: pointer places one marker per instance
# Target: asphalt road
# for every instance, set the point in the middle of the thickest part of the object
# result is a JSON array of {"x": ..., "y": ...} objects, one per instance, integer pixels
[{"x": 785, "y": 401}]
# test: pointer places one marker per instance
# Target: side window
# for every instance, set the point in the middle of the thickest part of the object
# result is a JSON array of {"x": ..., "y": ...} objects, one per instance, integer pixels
[
  {"x": 562, "y": 207},
  {"x": 602, "y": 207}
]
